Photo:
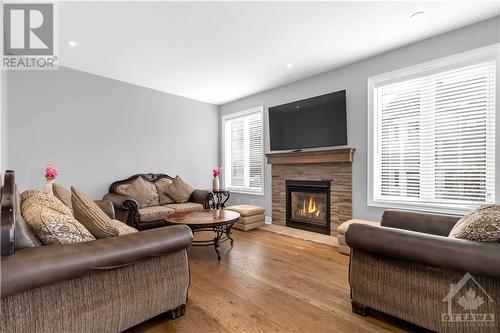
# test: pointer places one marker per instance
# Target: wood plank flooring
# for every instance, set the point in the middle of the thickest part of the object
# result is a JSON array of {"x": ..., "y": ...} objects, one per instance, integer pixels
[{"x": 270, "y": 283}]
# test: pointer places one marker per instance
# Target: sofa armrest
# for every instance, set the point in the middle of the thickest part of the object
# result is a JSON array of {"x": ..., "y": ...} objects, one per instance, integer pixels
[
  {"x": 427, "y": 223},
  {"x": 459, "y": 254},
  {"x": 107, "y": 207},
  {"x": 122, "y": 202},
  {"x": 202, "y": 197},
  {"x": 35, "y": 267}
]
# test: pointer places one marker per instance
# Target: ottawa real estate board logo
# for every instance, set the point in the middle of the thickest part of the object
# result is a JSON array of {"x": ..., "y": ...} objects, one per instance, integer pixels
[
  {"x": 469, "y": 305},
  {"x": 29, "y": 36}
]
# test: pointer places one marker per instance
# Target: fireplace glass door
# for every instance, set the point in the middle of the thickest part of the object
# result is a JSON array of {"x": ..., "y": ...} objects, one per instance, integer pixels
[{"x": 310, "y": 207}]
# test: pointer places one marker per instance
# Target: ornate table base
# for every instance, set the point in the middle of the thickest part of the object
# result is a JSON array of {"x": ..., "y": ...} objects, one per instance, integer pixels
[
  {"x": 222, "y": 234},
  {"x": 218, "y": 221}
]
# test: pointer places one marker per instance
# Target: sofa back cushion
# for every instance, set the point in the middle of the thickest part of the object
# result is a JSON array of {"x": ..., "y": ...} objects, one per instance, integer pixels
[
  {"x": 481, "y": 224},
  {"x": 62, "y": 194},
  {"x": 179, "y": 190},
  {"x": 142, "y": 191},
  {"x": 51, "y": 220},
  {"x": 91, "y": 215},
  {"x": 161, "y": 187}
]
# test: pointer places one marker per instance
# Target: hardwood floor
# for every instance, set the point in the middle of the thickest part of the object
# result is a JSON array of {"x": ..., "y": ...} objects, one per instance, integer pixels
[{"x": 270, "y": 283}]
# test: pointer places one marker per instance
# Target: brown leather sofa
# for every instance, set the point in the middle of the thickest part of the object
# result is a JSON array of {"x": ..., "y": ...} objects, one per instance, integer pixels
[
  {"x": 408, "y": 267},
  {"x": 106, "y": 285},
  {"x": 128, "y": 211}
]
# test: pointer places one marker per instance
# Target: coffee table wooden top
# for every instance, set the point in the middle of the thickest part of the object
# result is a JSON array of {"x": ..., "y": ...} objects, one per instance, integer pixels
[{"x": 206, "y": 217}]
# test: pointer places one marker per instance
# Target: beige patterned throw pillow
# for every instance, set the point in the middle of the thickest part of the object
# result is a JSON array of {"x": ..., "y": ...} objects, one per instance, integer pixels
[
  {"x": 161, "y": 187},
  {"x": 180, "y": 191},
  {"x": 51, "y": 220},
  {"x": 91, "y": 216},
  {"x": 142, "y": 191},
  {"x": 482, "y": 224}
]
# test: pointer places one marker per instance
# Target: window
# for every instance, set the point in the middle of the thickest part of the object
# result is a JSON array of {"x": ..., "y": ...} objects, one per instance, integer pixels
[
  {"x": 432, "y": 134},
  {"x": 243, "y": 151}
]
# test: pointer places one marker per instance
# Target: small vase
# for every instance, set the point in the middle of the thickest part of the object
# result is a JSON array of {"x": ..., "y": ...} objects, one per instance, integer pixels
[
  {"x": 48, "y": 187},
  {"x": 215, "y": 184}
]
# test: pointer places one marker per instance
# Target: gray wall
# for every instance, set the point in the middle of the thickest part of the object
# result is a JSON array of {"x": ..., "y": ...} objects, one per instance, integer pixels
[
  {"x": 353, "y": 78},
  {"x": 98, "y": 130},
  {"x": 3, "y": 121}
]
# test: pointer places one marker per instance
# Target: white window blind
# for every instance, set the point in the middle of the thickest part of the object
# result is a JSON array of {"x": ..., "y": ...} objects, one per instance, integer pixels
[
  {"x": 434, "y": 137},
  {"x": 243, "y": 151}
]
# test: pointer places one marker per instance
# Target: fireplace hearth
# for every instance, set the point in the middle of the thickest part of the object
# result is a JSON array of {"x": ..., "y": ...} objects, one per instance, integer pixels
[{"x": 308, "y": 205}]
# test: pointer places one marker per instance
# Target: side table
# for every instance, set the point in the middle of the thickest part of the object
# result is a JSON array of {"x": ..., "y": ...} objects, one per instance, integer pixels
[{"x": 219, "y": 199}]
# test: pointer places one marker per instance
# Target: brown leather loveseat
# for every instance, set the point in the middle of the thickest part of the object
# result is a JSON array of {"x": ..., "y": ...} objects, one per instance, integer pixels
[{"x": 105, "y": 285}]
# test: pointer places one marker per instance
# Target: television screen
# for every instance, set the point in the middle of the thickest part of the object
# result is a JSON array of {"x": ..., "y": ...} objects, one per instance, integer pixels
[{"x": 309, "y": 123}]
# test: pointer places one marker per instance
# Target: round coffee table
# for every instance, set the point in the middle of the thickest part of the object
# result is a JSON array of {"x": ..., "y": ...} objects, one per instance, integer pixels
[{"x": 219, "y": 221}]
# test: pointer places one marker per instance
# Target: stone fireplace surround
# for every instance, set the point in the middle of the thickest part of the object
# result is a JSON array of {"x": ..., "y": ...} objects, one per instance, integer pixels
[{"x": 334, "y": 165}]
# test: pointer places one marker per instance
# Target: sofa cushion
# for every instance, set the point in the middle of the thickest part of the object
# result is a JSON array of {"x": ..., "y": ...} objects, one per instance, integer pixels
[
  {"x": 179, "y": 190},
  {"x": 481, "y": 224},
  {"x": 91, "y": 216},
  {"x": 142, "y": 191},
  {"x": 161, "y": 187},
  {"x": 155, "y": 213},
  {"x": 51, "y": 220},
  {"x": 62, "y": 194},
  {"x": 187, "y": 206},
  {"x": 123, "y": 229}
]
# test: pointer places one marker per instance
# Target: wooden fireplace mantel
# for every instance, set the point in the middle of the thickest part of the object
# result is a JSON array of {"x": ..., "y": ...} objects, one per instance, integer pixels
[{"x": 342, "y": 155}]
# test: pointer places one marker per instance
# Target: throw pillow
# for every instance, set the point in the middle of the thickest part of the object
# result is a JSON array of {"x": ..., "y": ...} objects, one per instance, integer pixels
[
  {"x": 50, "y": 220},
  {"x": 180, "y": 191},
  {"x": 161, "y": 187},
  {"x": 62, "y": 194},
  {"x": 141, "y": 191},
  {"x": 91, "y": 216},
  {"x": 123, "y": 229},
  {"x": 482, "y": 224}
]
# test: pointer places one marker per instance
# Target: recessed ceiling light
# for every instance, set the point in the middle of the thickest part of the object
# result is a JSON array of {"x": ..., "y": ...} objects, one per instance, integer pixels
[
  {"x": 417, "y": 15},
  {"x": 289, "y": 65},
  {"x": 71, "y": 43}
]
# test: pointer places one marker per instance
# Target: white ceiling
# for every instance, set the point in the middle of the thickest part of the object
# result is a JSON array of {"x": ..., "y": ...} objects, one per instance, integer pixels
[{"x": 221, "y": 51}]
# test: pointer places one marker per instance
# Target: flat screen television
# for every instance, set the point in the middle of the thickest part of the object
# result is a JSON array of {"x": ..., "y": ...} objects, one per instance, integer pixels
[{"x": 309, "y": 123}]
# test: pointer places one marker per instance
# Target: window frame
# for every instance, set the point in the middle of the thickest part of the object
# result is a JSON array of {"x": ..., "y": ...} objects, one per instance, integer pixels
[
  {"x": 225, "y": 163},
  {"x": 487, "y": 53}
]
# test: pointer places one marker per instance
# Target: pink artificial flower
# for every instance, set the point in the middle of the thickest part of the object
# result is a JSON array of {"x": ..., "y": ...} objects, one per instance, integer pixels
[
  {"x": 217, "y": 172},
  {"x": 50, "y": 172}
]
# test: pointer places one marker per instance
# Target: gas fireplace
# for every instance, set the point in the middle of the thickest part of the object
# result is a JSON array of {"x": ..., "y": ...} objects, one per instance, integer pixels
[{"x": 308, "y": 205}]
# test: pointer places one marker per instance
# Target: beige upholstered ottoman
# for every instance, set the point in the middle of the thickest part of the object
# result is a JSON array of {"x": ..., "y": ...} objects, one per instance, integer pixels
[
  {"x": 343, "y": 247},
  {"x": 251, "y": 216}
]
